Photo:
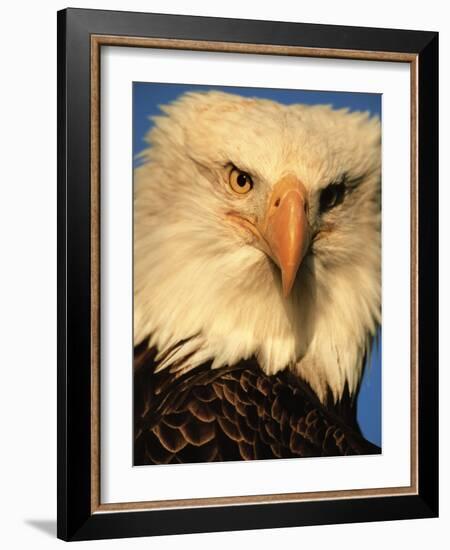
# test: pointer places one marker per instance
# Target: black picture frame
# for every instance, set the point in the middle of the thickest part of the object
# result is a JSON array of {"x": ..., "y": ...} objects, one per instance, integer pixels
[{"x": 76, "y": 518}]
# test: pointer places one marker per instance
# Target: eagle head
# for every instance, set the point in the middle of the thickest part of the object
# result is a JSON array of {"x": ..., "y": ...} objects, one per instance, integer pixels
[{"x": 257, "y": 234}]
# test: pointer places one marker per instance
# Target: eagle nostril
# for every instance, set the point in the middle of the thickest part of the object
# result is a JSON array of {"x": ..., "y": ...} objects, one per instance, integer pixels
[{"x": 277, "y": 203}]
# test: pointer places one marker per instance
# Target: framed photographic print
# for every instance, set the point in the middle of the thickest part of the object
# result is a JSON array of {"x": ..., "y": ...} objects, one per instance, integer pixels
[{"x": 247, "y": 254}]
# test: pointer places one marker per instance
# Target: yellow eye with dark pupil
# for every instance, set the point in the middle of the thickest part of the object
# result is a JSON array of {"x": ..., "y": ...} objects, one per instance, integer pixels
[{"x": 240, "y": 182}]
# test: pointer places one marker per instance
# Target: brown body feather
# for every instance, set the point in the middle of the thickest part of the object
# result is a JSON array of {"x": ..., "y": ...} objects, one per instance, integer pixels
[{"x": 235, "y": 413}]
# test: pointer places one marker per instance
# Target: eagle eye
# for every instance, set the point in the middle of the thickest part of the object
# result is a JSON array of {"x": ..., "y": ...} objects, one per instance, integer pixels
[
  {"x": 240, "y": 182},
  {"x": 331, "y": 196}
]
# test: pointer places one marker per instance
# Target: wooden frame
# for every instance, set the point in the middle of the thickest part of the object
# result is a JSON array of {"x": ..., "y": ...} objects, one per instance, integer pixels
[{"x": 81, "y": 34}]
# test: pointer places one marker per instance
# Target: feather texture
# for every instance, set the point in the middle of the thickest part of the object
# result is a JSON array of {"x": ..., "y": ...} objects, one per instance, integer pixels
[{"x": 235, "y": 413}]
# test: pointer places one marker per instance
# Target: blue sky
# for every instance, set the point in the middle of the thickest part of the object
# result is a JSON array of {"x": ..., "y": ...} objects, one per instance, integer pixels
[{"x": 146, "y": 100}]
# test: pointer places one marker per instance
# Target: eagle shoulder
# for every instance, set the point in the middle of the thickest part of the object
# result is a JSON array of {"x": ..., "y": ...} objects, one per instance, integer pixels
[{"x": 235, "y": 413}]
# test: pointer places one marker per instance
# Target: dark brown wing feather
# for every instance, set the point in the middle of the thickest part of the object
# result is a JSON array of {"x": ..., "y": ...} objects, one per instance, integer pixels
[{"x": 235, "y": 413}]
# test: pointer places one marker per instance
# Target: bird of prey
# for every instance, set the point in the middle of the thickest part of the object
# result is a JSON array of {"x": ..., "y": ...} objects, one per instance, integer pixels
[{"x": 257, "y": 279}]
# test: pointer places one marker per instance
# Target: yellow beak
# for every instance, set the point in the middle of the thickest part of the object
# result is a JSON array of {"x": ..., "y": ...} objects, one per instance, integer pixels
[{"x": 285, "y": 228}]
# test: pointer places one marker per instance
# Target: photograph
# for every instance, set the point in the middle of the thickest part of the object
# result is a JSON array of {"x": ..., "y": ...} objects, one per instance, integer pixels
[
  {"x": 222, "y": 258},
  {"x": 256, "y": 273},
  {"x": 247, "y": 270}
]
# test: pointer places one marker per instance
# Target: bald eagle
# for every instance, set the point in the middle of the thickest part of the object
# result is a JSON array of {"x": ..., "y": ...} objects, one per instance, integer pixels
[{"x": 256, "y": 279}]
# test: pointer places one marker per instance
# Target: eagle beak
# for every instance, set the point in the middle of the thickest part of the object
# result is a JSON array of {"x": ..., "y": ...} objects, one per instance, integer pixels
[{"x": 285, "y": 228}]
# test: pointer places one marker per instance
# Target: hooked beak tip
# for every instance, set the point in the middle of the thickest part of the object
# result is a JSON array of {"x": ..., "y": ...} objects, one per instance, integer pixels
[{"x": 288, "y": 276}]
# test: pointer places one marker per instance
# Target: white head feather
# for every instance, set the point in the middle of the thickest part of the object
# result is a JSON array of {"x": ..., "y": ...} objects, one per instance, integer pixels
[{"x": 197, "y": 275}]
